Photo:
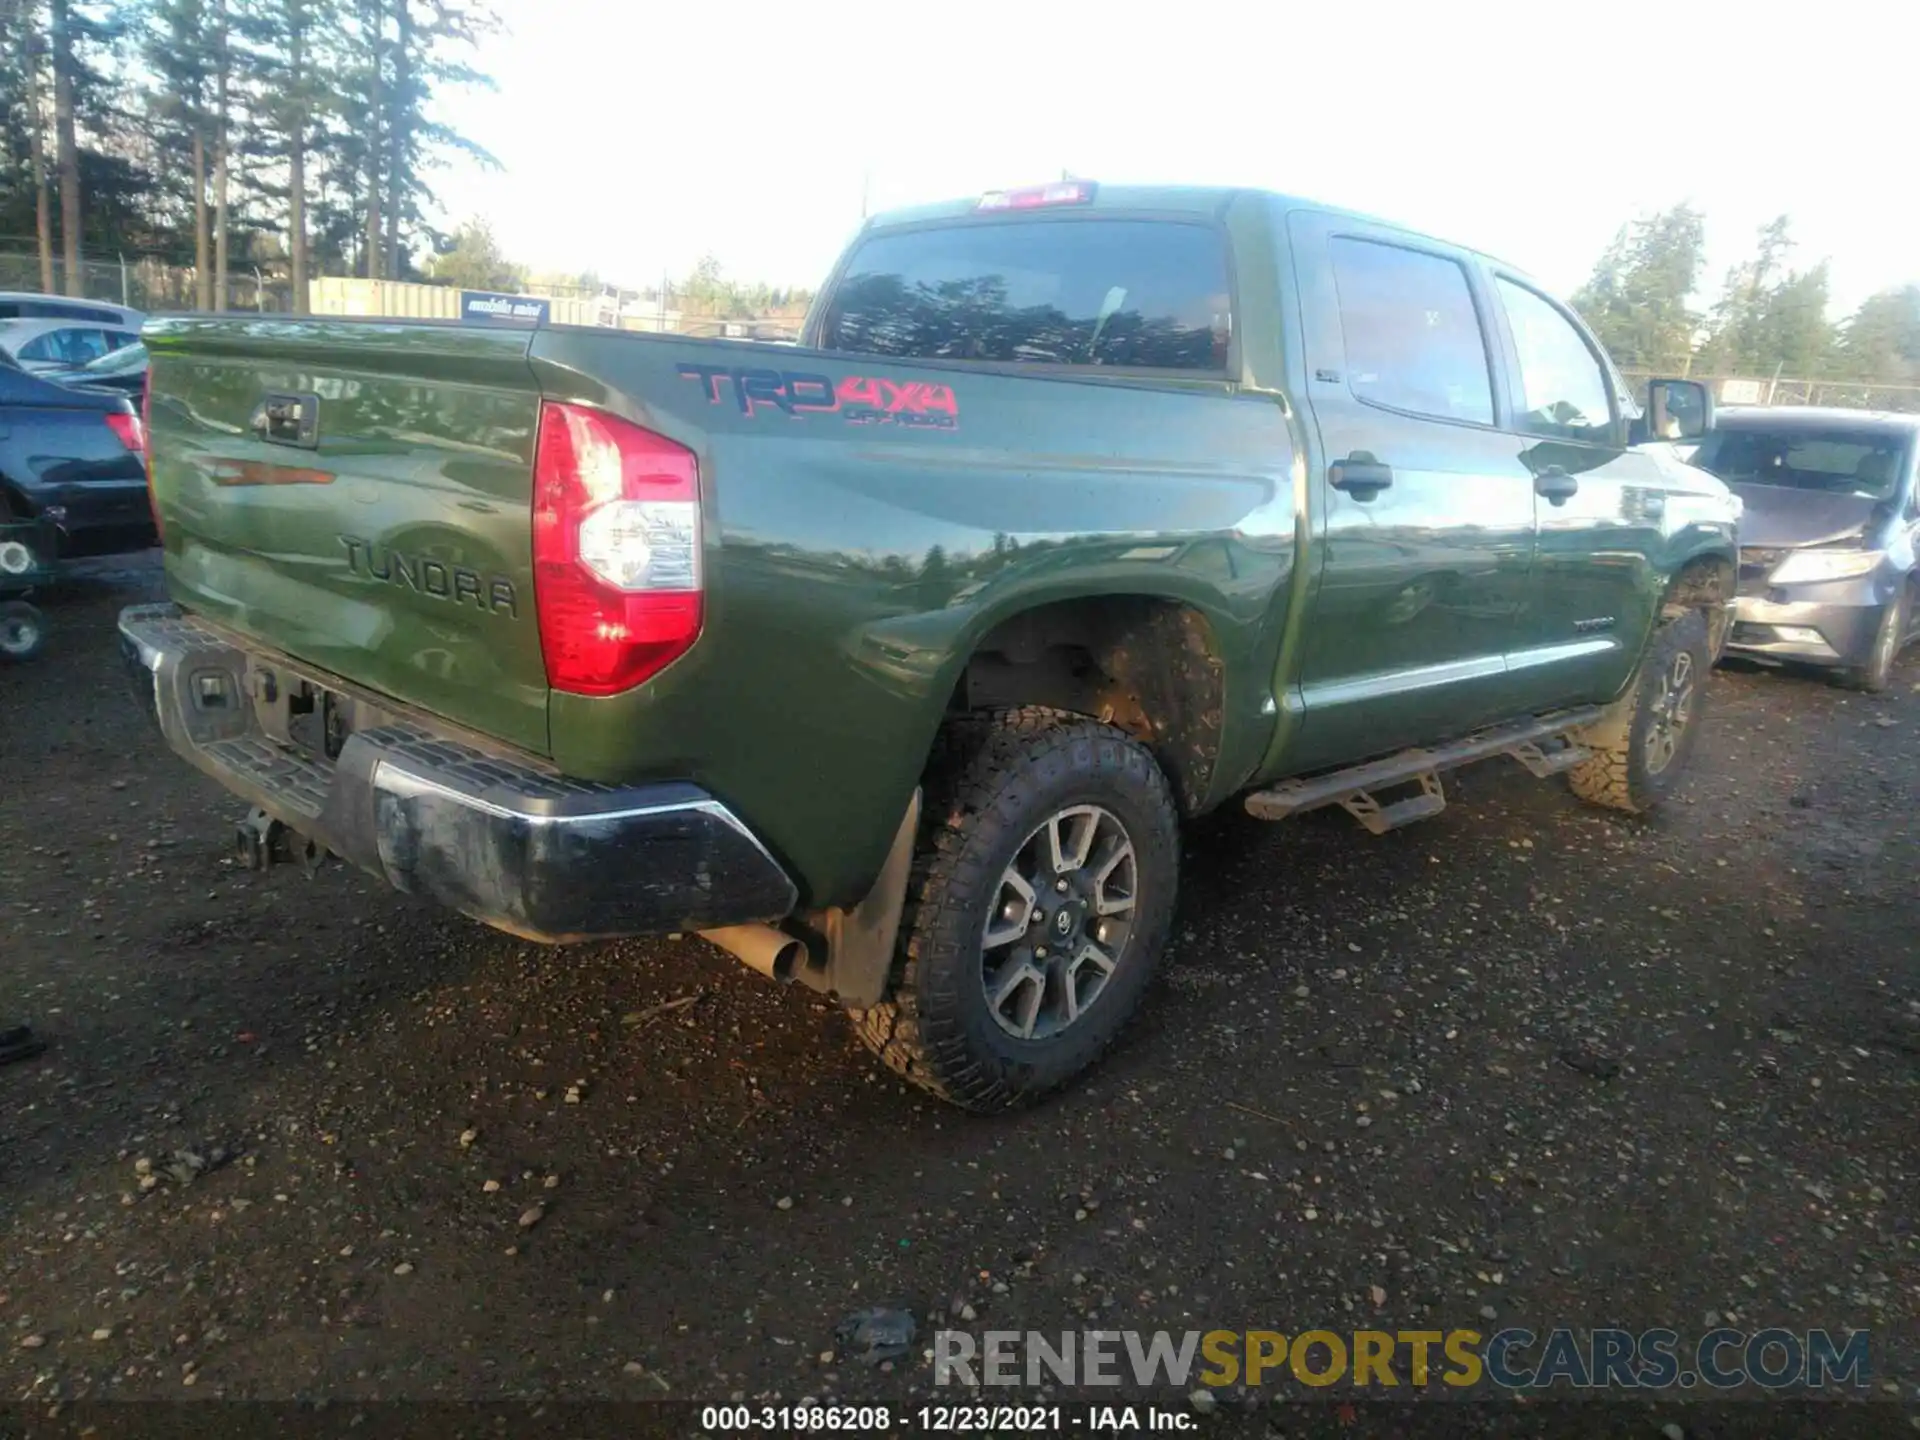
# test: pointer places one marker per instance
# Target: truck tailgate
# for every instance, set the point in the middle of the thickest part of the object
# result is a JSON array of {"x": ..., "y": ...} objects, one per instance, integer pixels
[{"x": 359, "y": 496}]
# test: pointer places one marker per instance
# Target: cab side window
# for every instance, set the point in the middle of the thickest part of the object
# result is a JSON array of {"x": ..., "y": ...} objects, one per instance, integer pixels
[
  {"x": 1563, "y": 387},
  {"x": 85, "y": 344},
  {"x": 1413, "y": 337},
  {"x": 74, "y": 346}
]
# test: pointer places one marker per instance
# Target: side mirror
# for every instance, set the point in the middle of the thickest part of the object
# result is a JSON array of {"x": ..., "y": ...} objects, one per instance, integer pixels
[{"x": 1677, "y": 410}]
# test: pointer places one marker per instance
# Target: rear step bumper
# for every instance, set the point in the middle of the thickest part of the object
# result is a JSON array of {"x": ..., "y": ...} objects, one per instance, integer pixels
[{"x": 493, "y": 836}]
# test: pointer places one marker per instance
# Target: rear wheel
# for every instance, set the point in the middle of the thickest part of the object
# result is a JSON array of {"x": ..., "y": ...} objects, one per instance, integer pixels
[
  {"x": 23, "y": 631},
  {"x": 1040, "y": 905},
  {"x": 1640, "y": 748},
  {"x": 1876, "y": 672}
]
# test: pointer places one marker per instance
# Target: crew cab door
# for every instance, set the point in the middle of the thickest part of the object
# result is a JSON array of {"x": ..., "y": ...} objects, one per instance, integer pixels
[
  {"x": 1600, "y": 505},
  {"x": 1424, "y": 522}
]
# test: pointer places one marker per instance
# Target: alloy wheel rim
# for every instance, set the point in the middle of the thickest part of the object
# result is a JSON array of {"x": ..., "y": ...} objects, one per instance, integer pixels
[
  {"x": 1672, "y": 712},
  {"x": 1060, "y": 922}
]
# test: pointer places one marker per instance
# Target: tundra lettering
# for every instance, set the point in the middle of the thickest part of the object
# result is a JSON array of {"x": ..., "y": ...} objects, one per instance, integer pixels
[{"x": 431, "y": 577}]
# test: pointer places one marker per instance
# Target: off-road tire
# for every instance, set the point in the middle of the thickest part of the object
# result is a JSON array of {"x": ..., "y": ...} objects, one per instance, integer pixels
[
  {"x": 995, "y": 779},
  {"x": 1876, "y": 673},
  {"x": 1618, "y": 776}
]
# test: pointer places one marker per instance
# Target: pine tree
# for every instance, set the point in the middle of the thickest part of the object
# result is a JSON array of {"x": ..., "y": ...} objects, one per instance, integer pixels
[
  {"x": 1770, "y": 319},
  {"x": 1881, "y": 340},
  {"x": 176, "y": 50},
  {"x": 222, "y": 139},
  {"x": 425, "y": 54},
  {"x": 26, "y": 46},
  {"x": 228, "y": 124},
  {"x": 1734, "y": 343},
  {"x": 373, "y": 25},
  {"x": 288, "y": 61},
  {"x": 1792, "y": 326},
  {"x": 66, "y": 141},
  {"x": 87, "y": 41},
  {"x": 1636, "y": 299}
]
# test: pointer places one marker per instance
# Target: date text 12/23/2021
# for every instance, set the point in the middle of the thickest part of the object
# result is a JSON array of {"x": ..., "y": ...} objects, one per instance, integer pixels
[{"x": 965, "y": 1419}]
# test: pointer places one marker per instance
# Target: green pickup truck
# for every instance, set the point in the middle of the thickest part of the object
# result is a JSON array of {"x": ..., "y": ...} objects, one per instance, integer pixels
[{"x": 894, "y": 662}]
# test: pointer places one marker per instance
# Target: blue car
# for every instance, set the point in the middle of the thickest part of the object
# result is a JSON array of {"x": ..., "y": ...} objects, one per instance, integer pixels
[{"x": 75, "y": 459}]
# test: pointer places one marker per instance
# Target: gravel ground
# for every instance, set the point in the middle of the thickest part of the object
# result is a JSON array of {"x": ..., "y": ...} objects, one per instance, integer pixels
[{"x": 1526, "y": 1063}]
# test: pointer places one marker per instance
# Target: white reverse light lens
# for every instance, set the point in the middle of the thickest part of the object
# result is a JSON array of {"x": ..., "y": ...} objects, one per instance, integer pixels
[
  {"x": 643, "y": 544},
  {"x": 1803, "y": 566}
]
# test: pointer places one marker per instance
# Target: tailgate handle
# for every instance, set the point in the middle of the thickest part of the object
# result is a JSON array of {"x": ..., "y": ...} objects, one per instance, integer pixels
[{"x": 288, "y": 420}]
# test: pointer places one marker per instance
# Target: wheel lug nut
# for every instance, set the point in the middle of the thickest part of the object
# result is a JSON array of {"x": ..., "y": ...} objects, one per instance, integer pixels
[
  {"x": 1061, "y": 885},
  {"x": 1036, "y": 917},
  {"x": 1039, "y": 952}
]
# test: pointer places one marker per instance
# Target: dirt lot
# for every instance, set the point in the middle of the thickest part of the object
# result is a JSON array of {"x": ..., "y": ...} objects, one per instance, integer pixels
[{"x": 1528, "y": 1063}]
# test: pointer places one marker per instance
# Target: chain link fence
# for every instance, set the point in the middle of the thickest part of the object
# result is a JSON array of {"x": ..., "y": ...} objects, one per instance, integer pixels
[
  {"x": 146, "y": 284},
  {"x": 1795, "y": 390},
  {"x": 1849, "y": 394}
]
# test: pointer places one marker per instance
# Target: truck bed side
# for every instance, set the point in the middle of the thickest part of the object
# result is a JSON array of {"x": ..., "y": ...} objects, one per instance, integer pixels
[{"x": 871, "y": 521}]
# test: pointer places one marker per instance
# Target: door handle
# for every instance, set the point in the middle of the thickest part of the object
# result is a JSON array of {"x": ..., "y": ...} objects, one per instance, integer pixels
[
  {"x": 1360, "y": 475},
  {"x": 1555, "y": 485}
]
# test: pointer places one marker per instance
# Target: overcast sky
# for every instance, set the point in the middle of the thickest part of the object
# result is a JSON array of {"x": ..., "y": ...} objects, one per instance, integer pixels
[{"x": 637, "y": 134}]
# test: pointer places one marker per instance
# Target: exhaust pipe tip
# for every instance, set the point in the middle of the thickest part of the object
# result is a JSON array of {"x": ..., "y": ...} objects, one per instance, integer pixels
[
  {"x": 787, "y": 961},
  {"x": 771, "y": 951}
]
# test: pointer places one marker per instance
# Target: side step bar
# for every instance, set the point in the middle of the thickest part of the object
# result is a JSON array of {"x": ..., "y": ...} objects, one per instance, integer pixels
[{"x": 1543, "y": 744}]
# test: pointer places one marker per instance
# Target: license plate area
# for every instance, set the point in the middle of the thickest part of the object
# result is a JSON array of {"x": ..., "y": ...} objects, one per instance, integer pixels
[{"x": 306, "y": 716}]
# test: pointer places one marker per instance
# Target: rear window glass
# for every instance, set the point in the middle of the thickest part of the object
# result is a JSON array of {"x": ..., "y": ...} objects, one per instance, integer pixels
[
  {"x": 53, "y": 310},
  {"x": 1139, "y": 293},
  {"x": 1862, "y": 464}
]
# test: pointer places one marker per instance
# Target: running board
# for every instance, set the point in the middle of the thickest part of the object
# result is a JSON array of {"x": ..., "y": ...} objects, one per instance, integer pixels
[
  {"x": 1545, "y": 745},
  {"x": 1379, "y": 819},
  {"x": 1544, "y": 760}
]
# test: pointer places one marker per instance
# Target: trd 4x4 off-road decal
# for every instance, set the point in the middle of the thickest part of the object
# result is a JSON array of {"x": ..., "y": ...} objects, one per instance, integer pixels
[{"x": 857, "y": 399}]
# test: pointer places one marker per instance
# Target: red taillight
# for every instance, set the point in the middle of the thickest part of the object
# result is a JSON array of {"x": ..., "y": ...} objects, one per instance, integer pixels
[
  {"x": 132, "y": 433},
  {"x": 1033, "y": 197},
  {"x": 616, "y": 550}
]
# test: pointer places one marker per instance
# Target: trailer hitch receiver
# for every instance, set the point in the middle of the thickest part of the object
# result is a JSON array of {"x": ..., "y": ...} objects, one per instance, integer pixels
[{"x": 261, "y": 842}]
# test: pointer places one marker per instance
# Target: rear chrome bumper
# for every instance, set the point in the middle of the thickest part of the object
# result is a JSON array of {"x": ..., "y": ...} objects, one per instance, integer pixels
[{"x": 490, "y": 833}]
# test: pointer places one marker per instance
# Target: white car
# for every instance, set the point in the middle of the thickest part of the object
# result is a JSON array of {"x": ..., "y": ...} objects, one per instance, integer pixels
[{"x": 54, "y": 346}]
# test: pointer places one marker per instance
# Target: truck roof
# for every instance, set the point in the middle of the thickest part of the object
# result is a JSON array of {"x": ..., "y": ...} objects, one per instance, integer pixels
[{"x": 1202, "y": 200}]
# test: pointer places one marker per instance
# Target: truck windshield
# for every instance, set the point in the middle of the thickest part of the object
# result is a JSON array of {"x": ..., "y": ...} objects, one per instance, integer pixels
[
  {"x": 1147, "y": 294},
  {"x": 1865, "y": 464}
]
